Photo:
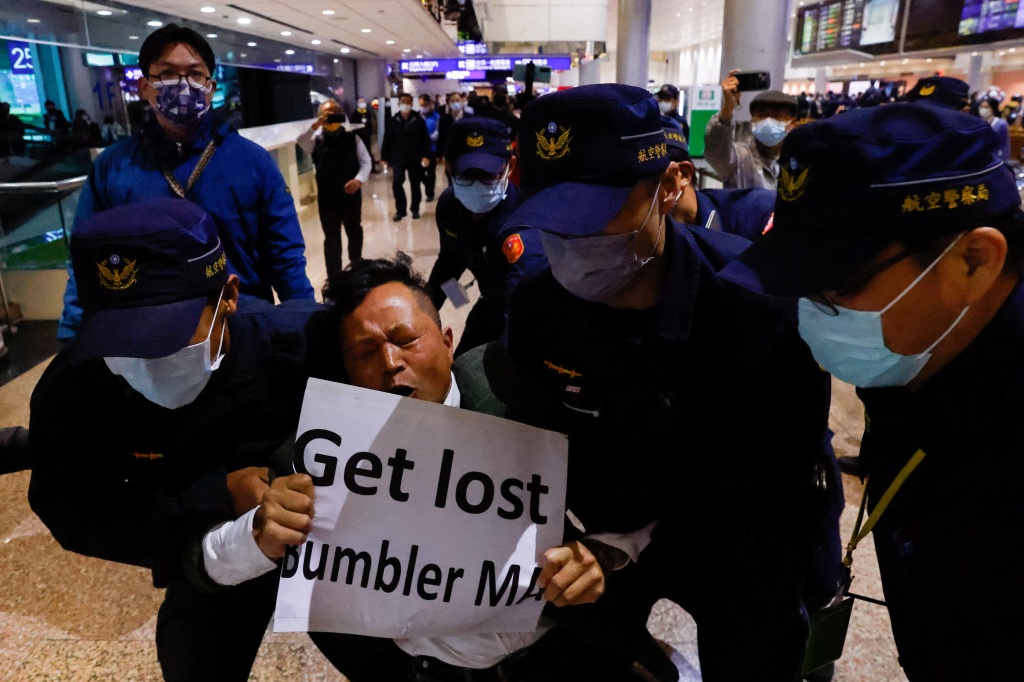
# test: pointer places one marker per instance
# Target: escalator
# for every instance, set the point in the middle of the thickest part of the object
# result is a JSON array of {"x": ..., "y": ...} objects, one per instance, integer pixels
[{"x": 38, "y": 196}]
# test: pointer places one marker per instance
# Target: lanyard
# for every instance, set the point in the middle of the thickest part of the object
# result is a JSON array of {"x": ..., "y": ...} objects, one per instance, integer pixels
[
  {"x": 196, "y": 172},
  {"x": 860, "y": 533}
]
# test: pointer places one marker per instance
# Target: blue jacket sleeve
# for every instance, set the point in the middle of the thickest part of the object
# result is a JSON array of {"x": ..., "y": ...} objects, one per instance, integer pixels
[
  {"x": 89, "y": 201},
  {"x": 281, "y": 245}
]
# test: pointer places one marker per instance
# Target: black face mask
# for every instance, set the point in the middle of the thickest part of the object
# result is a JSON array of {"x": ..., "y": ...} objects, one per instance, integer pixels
[{"x": 335, "y": 118}]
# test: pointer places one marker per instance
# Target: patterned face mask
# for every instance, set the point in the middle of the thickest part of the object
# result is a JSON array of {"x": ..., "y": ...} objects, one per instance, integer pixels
[{"x": 182, "y": 103}]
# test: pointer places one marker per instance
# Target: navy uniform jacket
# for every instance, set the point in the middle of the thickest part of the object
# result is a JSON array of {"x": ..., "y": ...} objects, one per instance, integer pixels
[
  {"x": 241, "y": 188},
  {"x": 472, "y": 245},
  {"x": 116, "y": 477},
  {"x": 744, "y": 212},
  {"x": 950, "y": 545},
  {"x": 706, "y": 409}
]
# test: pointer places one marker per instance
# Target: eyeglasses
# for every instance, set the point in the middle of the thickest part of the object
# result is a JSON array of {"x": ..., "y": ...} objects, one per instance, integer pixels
[
  {"x": 485, "y": 179},
  {"x": 195, "y": 78},
  {"x": 857, "y": 282}
]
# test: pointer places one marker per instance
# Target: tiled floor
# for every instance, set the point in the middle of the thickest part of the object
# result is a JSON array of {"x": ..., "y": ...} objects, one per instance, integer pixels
[{"x": 70, "y": 618}]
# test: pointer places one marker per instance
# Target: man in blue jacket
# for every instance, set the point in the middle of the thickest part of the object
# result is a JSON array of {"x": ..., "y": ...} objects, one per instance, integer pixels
[{"x": 182, "y": 153}]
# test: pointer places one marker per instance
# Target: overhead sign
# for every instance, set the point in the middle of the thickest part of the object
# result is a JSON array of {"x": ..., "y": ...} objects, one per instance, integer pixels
[
  {"x": 430, "y": 520},
  {"x": 468, "y": 47},
  {"x": 508, "y": 62},
  {"x": 21, "y": 56},
  {"x": 466, "y": 75},
  {"x": 291, "y": 68}
]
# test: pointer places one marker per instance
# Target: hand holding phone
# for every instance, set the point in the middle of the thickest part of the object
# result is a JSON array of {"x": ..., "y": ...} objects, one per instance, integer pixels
[{"x": 749, "y": 81}]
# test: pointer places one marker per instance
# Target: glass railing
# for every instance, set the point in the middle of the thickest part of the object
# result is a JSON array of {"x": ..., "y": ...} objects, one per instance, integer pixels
[
  {"x": 38, "y": 198},
  {"x": 34, "y": 221}
]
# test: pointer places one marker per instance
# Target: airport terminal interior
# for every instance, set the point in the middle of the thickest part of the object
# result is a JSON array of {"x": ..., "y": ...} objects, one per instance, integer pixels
[{"x": 72, "y": 618}]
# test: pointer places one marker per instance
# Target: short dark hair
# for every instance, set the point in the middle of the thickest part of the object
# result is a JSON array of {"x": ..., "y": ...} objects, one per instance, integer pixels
[
  {"x": 404, "y": 95},
  {"x": 172, "y": 34},
  {"x": 345, "y": 291}
]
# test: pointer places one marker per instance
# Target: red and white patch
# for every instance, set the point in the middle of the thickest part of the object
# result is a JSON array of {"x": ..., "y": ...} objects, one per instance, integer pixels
[{"x": 513, "y": 248}]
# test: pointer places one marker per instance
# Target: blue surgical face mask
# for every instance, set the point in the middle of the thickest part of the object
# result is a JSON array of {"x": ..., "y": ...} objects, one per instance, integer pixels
[
  {"x": 177, "y": 379},
  {"x": 851, "y": 344},
  {"x": 596, "y": 268},
  {"x": 769, "y": 131},
  {"x": 182, "y": 103},
  {"x": 480, "y": 197}
]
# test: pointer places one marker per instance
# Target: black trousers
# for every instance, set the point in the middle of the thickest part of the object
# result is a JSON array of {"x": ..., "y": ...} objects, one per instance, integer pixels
[
  {"x": 430, "y": 177},
  {"x": 415, "y": 173},
  {"x": 334, "y": 214},
  {"x": 202, "y": 636}
]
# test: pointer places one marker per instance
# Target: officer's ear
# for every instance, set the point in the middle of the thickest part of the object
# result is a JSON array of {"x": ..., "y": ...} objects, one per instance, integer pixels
[
  {"x": 671, "y": 186},
  {"x": 230, "y": 302},
  {"x": 686, "y": 173},
  {"x": 983, "y": 251}
]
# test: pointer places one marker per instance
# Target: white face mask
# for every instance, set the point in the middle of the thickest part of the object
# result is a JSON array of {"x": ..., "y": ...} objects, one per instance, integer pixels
[
  {"x": 405, "y": 108},
  {"x": 596, "y": 268},
  {"x": 666, "y": 107},
  {"x": 177, "y": 379},
  {"x": 456, "y": 106},
  {"x": 851, "y": 345},
  {"x": 480, "y": 197},
  {"x": 769, "y": 131},
  {"x": 361, "y": 105}
]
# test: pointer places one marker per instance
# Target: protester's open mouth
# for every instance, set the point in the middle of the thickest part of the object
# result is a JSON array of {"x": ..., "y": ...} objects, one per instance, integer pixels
[{"x": 404, "y": 391}]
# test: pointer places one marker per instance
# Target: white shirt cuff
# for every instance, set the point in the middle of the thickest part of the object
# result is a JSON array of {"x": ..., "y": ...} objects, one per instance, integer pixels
[
  {"x": 631, "y": 543},
  {"x": 230, "y": 552}
]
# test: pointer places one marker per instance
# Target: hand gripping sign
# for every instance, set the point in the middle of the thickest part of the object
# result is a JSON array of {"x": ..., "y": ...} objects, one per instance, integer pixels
[{"x": 430, "y": 520}]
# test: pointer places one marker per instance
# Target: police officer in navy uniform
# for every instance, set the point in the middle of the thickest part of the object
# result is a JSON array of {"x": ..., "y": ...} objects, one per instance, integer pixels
[
  {"x": 470, "y": 214},
  {"x": 911, "y": 291},
  {"x": 668, "y": 104},
  {"x": 691, "y": 406},
  {"x": 744, "y": 212},
  {"x": 158, "y": 420}
]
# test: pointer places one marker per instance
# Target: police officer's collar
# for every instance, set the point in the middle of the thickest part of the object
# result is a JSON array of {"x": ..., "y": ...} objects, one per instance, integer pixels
[{"x": 706, "y": 210}]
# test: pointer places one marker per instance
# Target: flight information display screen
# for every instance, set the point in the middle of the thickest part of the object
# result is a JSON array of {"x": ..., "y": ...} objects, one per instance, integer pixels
[
  {"x": 864, "y": 25},
  {"x": 950, "y": 23}
]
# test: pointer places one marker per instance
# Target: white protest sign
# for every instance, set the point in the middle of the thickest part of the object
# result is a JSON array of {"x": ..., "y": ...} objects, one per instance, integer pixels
[{"x": 430, "y": 520}]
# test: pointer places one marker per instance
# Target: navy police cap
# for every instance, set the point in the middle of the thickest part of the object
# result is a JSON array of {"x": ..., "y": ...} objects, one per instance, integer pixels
[
  {"x": 478, "y": 143},
  {"x": 940, "y": 91},
  {"x": 678, "y": 149},
  {"x": 853, "y": 184},
  {"x": 581, "y": 153},
  {"x": 668, "y": 92},
  {"x": 144, "y": 272}
]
